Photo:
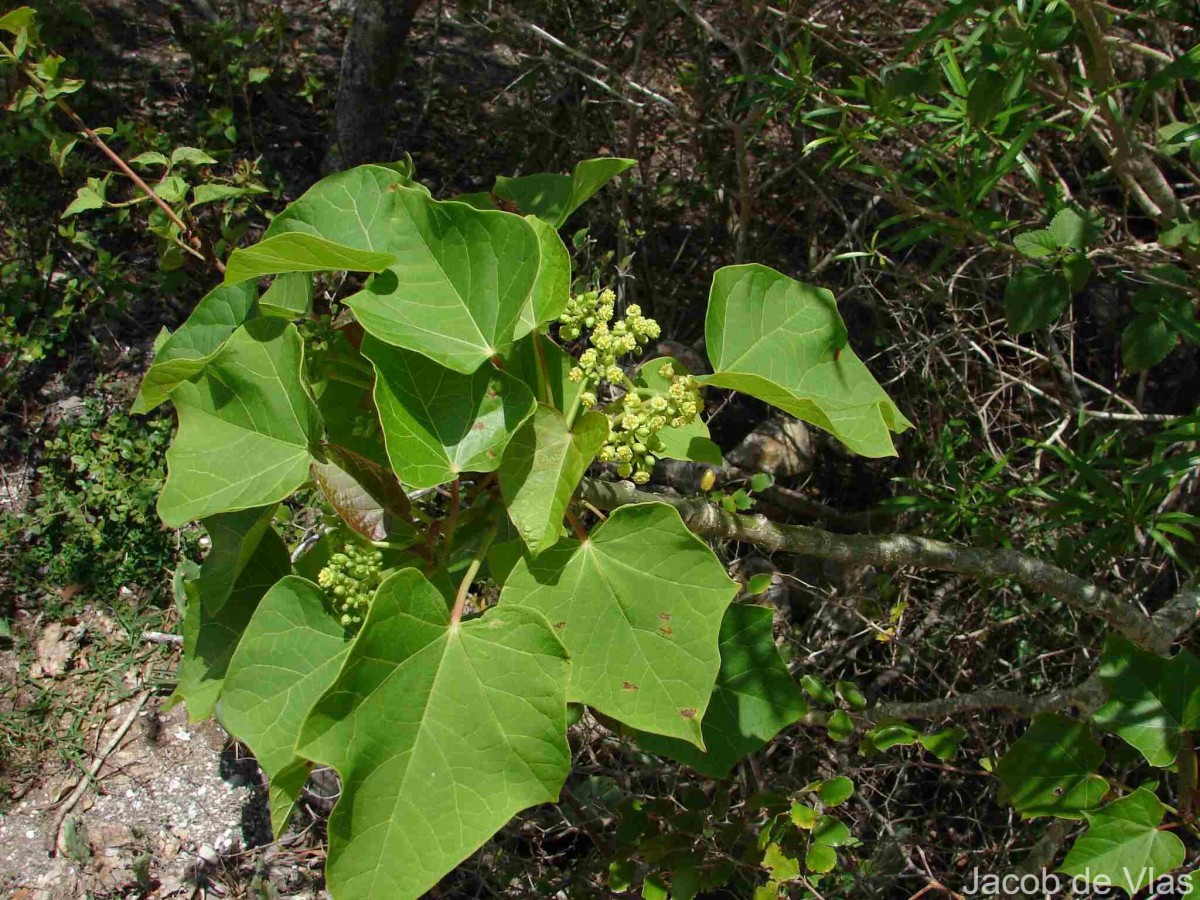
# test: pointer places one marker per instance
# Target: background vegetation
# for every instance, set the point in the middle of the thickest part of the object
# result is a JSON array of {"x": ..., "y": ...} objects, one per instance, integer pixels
[{"x": 1002, "y": 196}]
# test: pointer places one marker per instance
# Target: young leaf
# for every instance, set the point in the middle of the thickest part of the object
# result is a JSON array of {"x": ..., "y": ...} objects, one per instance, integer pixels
[
  {"x": 185, "y": 353},
  {"x": 817, "y": 689},
  {"x": 1124, "y": 845},
  {"x": 1071, "y": 231},
  {"x": 17, "y": 20},
  {"x": 440, "y": 732},
  {"x": 299, "y": 252},
  {"x": 759, "y": 583},
  {"x": 944, "y": 744},
  {"x": 245, "y": 559},
  {"x": 1035, "y": 298},
  {"x": 754, "y": 698},
  {"x": 1146, "y": 341},
  {"x": 541, "y": 469},
  {"x": 288, "y": 656},
  {"x": 246, "y": 427},
  {"x": 687, "y": 442},
  {"x": 150, "y": 158},
  {"x": 89, "y": 196},
  {"x": 850, "y": 693},
  {"x": 821, "y": 858},
  {"x": 840, "y": 726},
  {"x": 438, "y": 423},
  {"x": 835, "y": 791},
  {"x": 893, "y": 734},
  {"x": 831, "y": 832},
  {"x": 639, "y": 607},
  {"x": 784, "y": 342},
  {"x": 803, "y": 816},
  {"x": 366, "y": 496},
  {"x": 1036, "y": 244},
  {"x": 986, "y": 97},
  {"x": 191, "y": 155},
  {"x": 1050, "y": 770},
  {"x": 552, "y": 198},
  {"x": 782, "y": 866},
  {"x": 1154, "y": 699}
]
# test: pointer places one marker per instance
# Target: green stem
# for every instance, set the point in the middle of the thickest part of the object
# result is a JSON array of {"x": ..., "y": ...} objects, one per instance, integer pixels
[
  {"x": 464, "y": 586},
  {"x": 1186, "y": 765},
  {"x": 576, "y": 403},
  {"x": 542, "y": 382},
  {"x": 452, "y": 518}
]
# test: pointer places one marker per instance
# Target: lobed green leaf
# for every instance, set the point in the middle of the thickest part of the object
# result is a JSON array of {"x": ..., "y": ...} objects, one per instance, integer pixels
[
  {"x": 639, "y": 607},
  {"x": 440, "y": 732}
]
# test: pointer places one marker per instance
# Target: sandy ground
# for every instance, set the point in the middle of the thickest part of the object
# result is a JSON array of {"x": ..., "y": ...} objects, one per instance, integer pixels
[{"x": 168, "y": 805}]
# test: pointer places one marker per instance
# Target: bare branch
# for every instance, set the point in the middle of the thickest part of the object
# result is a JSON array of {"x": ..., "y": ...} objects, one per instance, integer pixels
[
  {"x": 1178, "y": 614},
  {"x": 710, "y": 521}
]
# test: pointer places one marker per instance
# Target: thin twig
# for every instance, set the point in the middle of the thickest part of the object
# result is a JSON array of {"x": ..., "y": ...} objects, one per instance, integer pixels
[
  {"x": 85, "y": 780},
  {"x": 161, "y": 637},
  {"x": 196, "y": 245}
]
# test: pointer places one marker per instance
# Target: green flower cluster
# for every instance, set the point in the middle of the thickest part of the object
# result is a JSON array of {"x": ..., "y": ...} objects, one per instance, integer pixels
[
  {"x": 634, "y": 423},
  {"x": 592, "y": 313},
  {"x": 350, "y": 579}
]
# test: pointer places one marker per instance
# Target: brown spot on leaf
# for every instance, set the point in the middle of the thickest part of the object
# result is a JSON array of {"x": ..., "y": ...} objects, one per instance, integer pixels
[
  {"x": 479, "y": 426},
  {"x": 688, "y": 713},
  {"x": 559, "y": 626},
  {"x": 665, "y": 630},
  {"x": 665, "y": 616},
  {"x": 629, "y": 686}
]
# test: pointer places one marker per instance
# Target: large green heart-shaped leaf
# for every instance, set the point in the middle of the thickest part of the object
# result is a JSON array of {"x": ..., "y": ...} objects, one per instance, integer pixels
[
  {"x": 440, "y": 733},
  {"x": 784, "y": 342},
  {"x": 687, "y": 442},
  {"x": 639, "y": 607},
  {"x": 541, "y": 469},
  {"x": 286, "y": 659},
  {"x": 245, "y": 559},
  {"x": 300, "y": 252},
  {"x": 1154, "y": 699},
  {"x": 754, "y": 699},
  {"x": 459, "y": 279},
  {"x": 552, "y": 198},
  {"x": 1123, "y": 844},
  {"x": 462, "y": 278},
  {"x": 438, "y": 423},
  {"x": 246, "y": 427},
  {"x": 193, "y": 345},
  {"x": 1050, "y": 770}
]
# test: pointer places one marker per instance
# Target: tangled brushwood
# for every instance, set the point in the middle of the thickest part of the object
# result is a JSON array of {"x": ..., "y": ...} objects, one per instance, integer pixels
[{"x": 472, "y": 546}]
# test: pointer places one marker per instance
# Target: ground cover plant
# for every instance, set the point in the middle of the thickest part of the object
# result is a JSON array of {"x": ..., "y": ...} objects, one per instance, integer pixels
[{"x": 492, "y": 588}]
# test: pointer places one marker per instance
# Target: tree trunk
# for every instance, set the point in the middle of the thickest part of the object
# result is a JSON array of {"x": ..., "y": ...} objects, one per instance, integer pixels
[{"x": 370, "y": 64}]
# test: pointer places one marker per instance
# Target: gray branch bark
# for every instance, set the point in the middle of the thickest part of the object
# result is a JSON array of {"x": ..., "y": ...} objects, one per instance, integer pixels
[
  {"x": 710, "y": 521},
  {"x": 371, "y": 59}
]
